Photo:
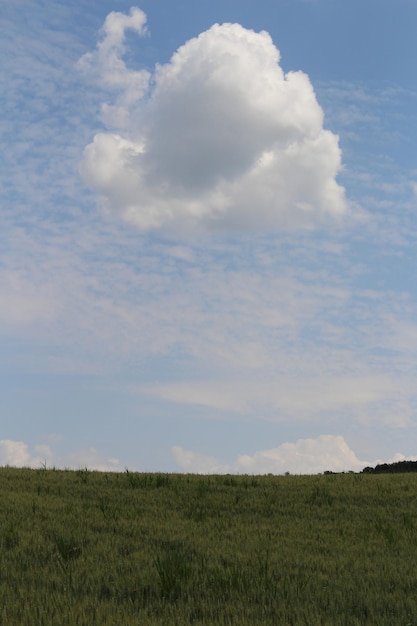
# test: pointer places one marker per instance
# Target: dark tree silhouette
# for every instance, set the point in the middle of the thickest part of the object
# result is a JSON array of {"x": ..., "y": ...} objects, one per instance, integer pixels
[{"x": 400, "y": 467}]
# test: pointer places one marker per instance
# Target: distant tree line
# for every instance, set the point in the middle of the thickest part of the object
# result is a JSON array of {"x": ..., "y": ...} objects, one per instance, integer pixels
[{"x": 400, "y": 467}]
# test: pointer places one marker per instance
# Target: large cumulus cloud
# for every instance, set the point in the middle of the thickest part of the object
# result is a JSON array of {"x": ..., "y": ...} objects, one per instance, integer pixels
[{"x": 218, "y": 136}]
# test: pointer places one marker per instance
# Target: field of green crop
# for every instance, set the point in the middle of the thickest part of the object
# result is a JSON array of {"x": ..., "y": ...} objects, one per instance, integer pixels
[{"x": 90, "y": 548}]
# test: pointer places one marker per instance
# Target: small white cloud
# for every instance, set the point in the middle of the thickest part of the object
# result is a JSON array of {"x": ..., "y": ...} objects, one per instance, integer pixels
[
  {"x": 18, "y": 454},
  {"x": 198, "y": 463},
  {"x": 398, "y": 457},
  {"x": 219, "y": 137},
  {"x": 13, "y": 452},
  {"x": 93, "y": 460}
]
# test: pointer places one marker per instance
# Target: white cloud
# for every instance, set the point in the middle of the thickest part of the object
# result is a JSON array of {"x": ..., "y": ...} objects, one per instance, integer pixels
[
  {"x": 305, "y": 456},
  {"x": 93, "y": 459},
  {"x": 222, "y": 138},
  {"x": 199, "y": 463},
  {"x": 18, "y": 454}
]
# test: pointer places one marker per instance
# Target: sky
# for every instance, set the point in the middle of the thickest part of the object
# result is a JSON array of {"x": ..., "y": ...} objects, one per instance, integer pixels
[{"x": 208, "y": 229}]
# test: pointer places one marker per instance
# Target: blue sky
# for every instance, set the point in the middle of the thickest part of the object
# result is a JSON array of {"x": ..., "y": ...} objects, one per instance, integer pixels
[{"x": 208, "y": 234}]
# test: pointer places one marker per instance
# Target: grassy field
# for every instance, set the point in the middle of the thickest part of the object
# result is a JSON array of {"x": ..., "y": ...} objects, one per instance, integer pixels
[{"x": 90, "y": 548}]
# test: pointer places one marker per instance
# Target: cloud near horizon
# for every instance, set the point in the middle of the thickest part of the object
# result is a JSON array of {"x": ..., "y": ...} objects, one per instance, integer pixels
[
  {"x": 305, "y": 456},
  {"x": 218, "y": 137},
  {"x": 20, "y": 454}
]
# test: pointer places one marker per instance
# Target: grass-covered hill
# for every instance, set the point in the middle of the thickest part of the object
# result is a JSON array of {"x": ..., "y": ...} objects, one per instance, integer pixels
[{"x": 87, "y": 548}]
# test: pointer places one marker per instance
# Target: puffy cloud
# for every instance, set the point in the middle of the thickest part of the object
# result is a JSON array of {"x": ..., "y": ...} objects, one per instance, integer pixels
[
  {"x": 18, "y": 454},
  {"x": 198, "y": 463},
  {"x": 94, "y": 460},
  {"x": 220, "y": 137},
  {"x": 305, "y": 456}
]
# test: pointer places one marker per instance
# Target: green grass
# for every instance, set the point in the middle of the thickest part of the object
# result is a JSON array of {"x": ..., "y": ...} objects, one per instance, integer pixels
[{"x": 121, "y": 549}]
